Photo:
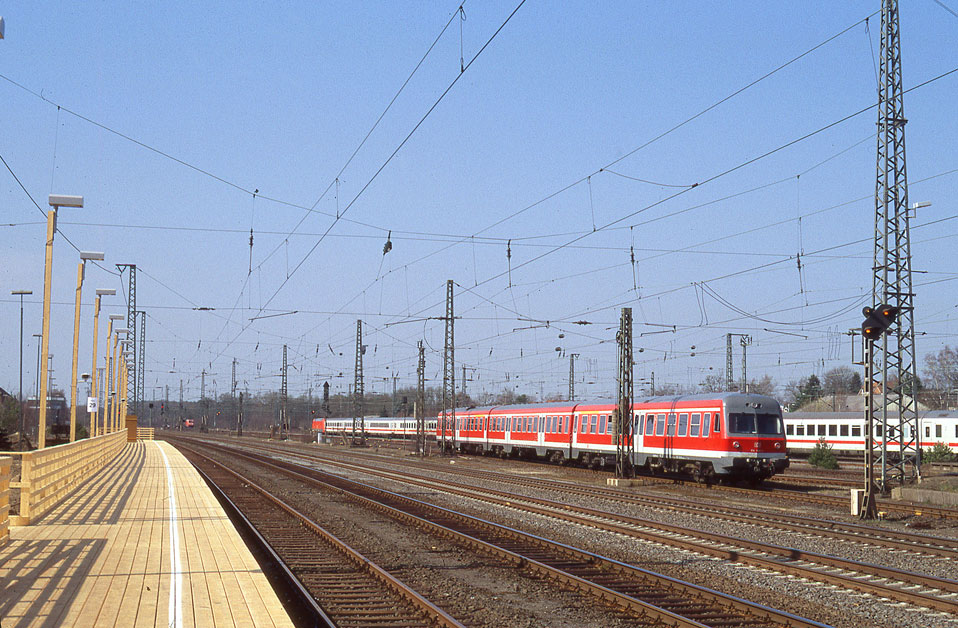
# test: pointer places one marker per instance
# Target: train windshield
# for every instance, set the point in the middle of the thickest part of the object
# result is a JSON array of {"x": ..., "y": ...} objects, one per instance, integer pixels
[{"x": 760, "y": 423}]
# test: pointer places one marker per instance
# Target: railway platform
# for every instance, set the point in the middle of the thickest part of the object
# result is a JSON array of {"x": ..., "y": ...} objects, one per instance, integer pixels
[{"x": 143, "y": 543}]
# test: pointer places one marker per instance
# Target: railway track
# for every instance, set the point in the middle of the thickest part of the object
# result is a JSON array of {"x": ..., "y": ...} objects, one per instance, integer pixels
[
  {"x": 781, "y": 489},
  {"x": 908, "y": 587},
  {"x": 350, "y": 590},
  {"x": 648, "y": 596}
]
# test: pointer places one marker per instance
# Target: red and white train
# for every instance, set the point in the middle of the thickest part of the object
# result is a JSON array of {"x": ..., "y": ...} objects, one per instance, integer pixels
[
  {"x": 844, "y": 431},
  {"x": 717, "y": 436}
]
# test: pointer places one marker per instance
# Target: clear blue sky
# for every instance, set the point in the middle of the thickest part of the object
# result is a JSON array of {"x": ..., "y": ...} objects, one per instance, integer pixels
[{"x": 276, "y": 98}]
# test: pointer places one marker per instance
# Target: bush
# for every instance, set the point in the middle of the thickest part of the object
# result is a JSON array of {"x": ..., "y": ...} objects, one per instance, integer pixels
[
  {"x": 822, "y": 456},
  {"x": 939, "y": 453}
]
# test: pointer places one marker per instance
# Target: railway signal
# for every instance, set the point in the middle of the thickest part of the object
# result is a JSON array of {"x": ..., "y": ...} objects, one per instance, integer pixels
[{"x": 878, "y": 320}]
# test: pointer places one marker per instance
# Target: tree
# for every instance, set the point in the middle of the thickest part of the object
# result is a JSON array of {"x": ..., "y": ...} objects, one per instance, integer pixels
[
  {"x": 9, "y": 422},
  {"x": 822, "y": 456},
  {"x": 668, "y": 389},
  {"x": 939, "y": 453},
  {"x": 764, "y": 386},
  {"x": 712, "y": 384},
  {"x": 941, "y": 369},
  {"x": 802, "y": 392},
  {"x": 842, "y": 380}
]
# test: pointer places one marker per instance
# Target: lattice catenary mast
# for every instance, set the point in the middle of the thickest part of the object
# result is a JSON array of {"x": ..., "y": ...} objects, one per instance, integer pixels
[
  {"x": 624, "y": 443},
  {"x": 421, "y": 402},
  {"x": 449, "y": 377},
  {"x": 894, "y": 356},
  {"x": 358, "y": 389}
]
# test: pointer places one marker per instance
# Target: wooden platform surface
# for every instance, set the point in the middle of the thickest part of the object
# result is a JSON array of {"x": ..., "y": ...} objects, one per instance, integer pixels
[{"x": 121, "y": 552}]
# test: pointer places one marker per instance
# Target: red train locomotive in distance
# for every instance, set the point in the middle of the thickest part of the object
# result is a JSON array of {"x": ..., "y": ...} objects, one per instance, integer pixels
[{"x": 727, "y": 436}]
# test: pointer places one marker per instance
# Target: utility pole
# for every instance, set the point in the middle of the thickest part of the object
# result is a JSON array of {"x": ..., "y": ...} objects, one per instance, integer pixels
[
  {"x": 233, "y": 389},
  {"x": 572, "y": 357},
  {"x": 284, "y": 397},
  {"x": 728, "y": 362},
  {"x": 203, "y": 397},
  {"x": 420, "y": 410},
  {"x": 395, "y": 411},
  {"x": 239, "y": 417},
  {"x": 624, "y": 443},
  {"x": 358, "y": 390},
  {"x": 326, "y": 399},
  {"x": 894, "y": 357},
  {"x": 449, "y": 377},
  {"x": 745, "y": 340}
]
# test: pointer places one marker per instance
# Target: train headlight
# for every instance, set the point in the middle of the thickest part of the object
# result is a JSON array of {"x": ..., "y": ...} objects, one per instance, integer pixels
[
  {"x": 778, "y": 445},
  {"x": 736, "y": 445}
]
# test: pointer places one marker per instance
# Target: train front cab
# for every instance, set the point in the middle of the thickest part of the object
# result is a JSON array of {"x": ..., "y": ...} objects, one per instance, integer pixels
[{"x": 754, "y": 438}]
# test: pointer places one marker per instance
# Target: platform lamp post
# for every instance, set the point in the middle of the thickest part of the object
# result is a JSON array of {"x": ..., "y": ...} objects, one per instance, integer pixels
[
  {"x": 108, "y": 374},
  {"x": 94, "y": 389},
  {"x": 81, "y": 272},
  {"x": 115, "y": 377},
  {"x": 56, "y": 201},
  {"x": 21, "y": 294}
]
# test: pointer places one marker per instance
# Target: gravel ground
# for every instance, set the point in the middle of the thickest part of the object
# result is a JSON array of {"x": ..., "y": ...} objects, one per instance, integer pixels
[
  {"x": 476, "y": 590},
  {"x": 809, "y": 599},
  {"x": 822, "y": 603}
]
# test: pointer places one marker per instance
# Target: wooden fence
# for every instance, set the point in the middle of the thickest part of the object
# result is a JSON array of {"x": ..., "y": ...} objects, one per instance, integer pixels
[
  {"x": 48, "y": 475},
  {"x": 144, "y": 433}
]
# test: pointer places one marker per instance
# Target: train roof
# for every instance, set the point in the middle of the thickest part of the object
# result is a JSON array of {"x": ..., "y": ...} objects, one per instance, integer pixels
[
  {"x": 831, "y": 416},
  {"x": 733, "y": 399}
]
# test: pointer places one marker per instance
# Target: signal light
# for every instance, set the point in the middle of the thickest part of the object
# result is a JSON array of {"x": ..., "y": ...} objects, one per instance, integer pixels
[{"x": 878, "y": 320}]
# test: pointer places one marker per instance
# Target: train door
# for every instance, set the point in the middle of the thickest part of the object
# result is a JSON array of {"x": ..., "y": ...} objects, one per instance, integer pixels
[{"x": 668, "y": 443}]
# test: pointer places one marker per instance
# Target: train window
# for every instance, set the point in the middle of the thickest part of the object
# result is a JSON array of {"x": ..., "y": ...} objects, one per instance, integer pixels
[
  {"x": 683, "y": 424},
  {"x": 595, "y": 424},
  {"x": 956, "y": 430},
  {"x": 660, "y": 425},
  {"x": 583, "y": 424},
  {"x": 602, "y": 419},
  {"x": 927, "y": 431},
  {"x": 789, "y": 430},
  {"x": 705, "y": 423},
  {"x": 556, "y": 424},
  {"x": 671, "y": 427},
  {"x": 716, "y": 423},
  {"x": 649, "y": 423},
  {"x": 833, "y": 430},
  {"x": 878, "y": 430},
  {"x": 843, "y": 430},
  {"x": 695, "y": 424},
  {"x": 938, "y": 430},
  {"x": 637, "y": 426}
]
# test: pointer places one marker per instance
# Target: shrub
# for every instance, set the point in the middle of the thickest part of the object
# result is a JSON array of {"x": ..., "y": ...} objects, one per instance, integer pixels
[
  {"x": 939, "y": 453},
  {"x": 822, "y": 456}
]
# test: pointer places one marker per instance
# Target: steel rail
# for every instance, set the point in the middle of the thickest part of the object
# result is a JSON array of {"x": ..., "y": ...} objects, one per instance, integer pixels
[
  {"x": 609, "y": 579},
  {"x": 916, "y": 543},
  {"x": 423, "y": 608},
  {"x": 786, "y": 563}
]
